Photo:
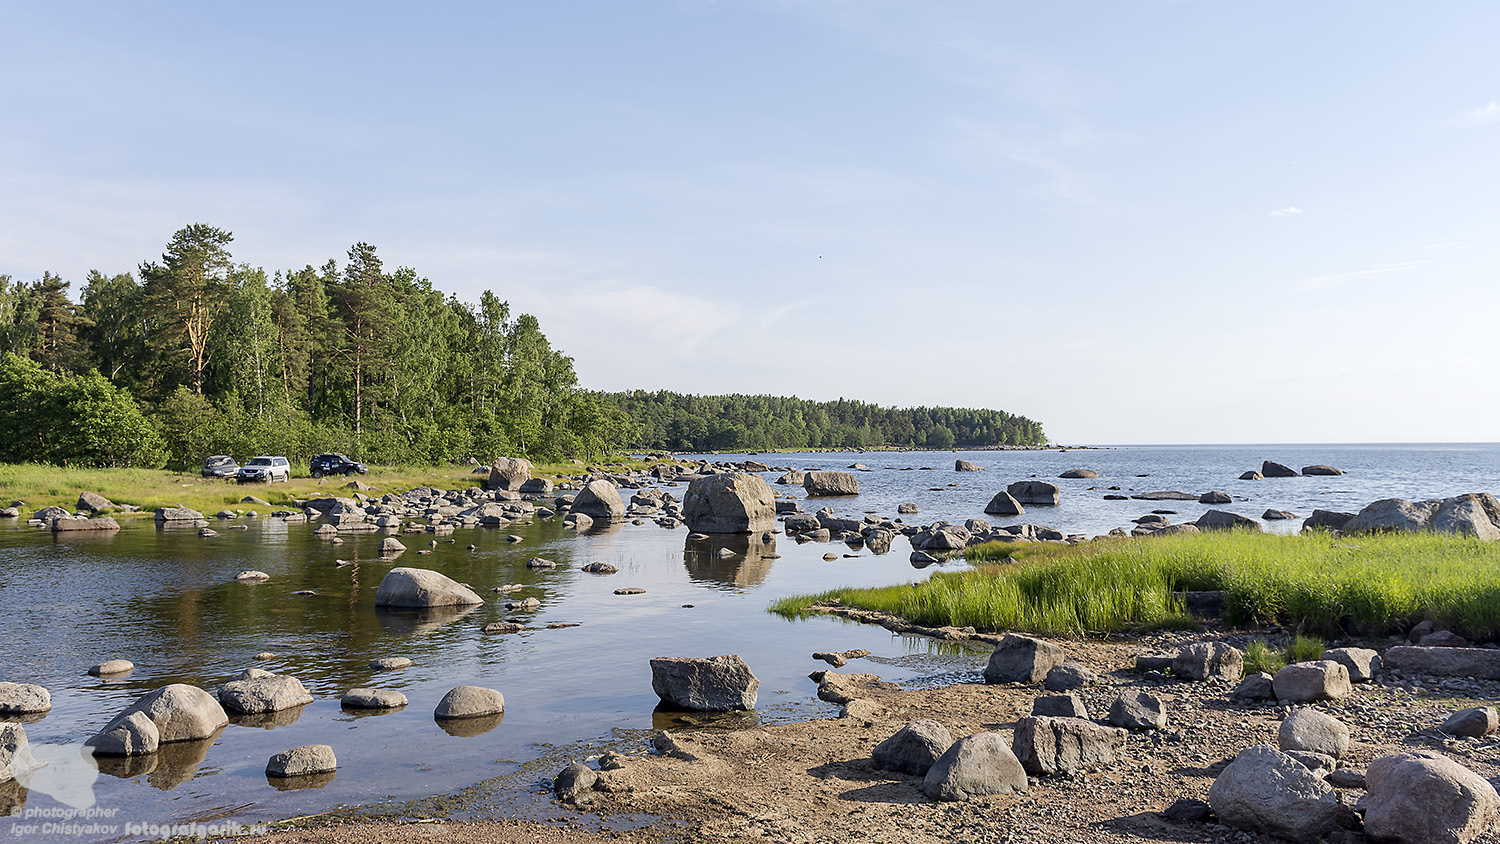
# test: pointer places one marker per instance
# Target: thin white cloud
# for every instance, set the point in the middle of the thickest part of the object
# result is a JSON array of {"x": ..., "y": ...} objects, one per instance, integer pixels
[
  {"x": 1483, "y": 114},
  {"x": 1289, "y": 211},
  {"x": 1359, "y": 276}
]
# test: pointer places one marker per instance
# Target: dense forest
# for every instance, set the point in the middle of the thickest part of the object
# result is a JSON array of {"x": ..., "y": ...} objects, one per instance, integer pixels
[
  {"x": 196, "y": 354},
  {"x": 677, "y": 422}
]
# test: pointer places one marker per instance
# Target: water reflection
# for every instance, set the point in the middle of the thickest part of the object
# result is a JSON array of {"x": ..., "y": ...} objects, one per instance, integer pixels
[
  {"x": 22, "y": 717},
  {"x": 269, "y": 720},
  {"x": 470, "y": 727},
  {"x": 178, "y": 761},
  {"x": 665, "y": 717},
  {"x": 127, "y": 767},
  {"x": 419, "y": 622},
  {"x": 730, "y": 559},
  {"x": 296, "y": 783},
  {"x": 12, "y": 798}
]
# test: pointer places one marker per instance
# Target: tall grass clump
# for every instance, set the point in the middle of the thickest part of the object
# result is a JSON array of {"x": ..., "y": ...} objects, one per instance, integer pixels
[{"x": 1315, "y": 583}]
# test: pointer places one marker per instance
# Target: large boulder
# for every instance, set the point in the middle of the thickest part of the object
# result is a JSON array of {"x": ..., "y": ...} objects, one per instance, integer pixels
[
  {"x": 735, "y": 502},
  {"x": 179, "y": 711},
  {"x": 1209, "y": 661},
  {"x": 420, "y": 588},
  {"x": 600, "y": 501},
  {"x": 1305, "y": 682},
  {"x": 537, "y": 486},
  {"x": 1478, "y": 663},
  {"x": 1004, "y": 504},
  {"x": 15, "y": 752},
  {"x": 136, "y": 735},
  {"x": 23, "y": 699},
  {"x": 1215, "y": 497},
  {"x": 941, "y": 537},
  {"x": 1135, "y": 709},
  {"x": 1475, "y": 722},
  {"x": 1424, "y": 797},
  {"x": 1317, "y": 732},
  {"x": 509, "y": 473},
  {"x": 1265, "y": 790},
  {"x": 263, "y": 694},
  {"x": 178, "y": 514},
  {"x": 70, "y": 525},
  {"x": 1060, "y": 706},
  {"x": 302, "y": 761},
  {"x": 1320, "y": 469},
  {"x": 830, "y": 483},
  {"x": 1473, "y": 514},
  {"x": 975, "y": 766},
  {"x": 1058, "y": 745},
  {"x": 1271, "y": 469},
  {"x": 708, "y": 684},
  {"x": 1225, "y": 520},
  {"x": 1022, "y": 659},
  {"x": 966, "y": 466},
  {"x": 469, "y": 702},
  {"x": 1075, "y": 474},
  {"x": 1326, "y": 520},
  {"x": 914, "y": 748},
  {"x": 1039, "y": 493},
  {"x": 93, "y": 502},
  {"x": 1362, "y": 663}
]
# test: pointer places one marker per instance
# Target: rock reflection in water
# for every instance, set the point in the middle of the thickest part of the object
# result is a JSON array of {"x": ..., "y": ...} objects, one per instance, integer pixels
[
  {"x": 22, "y": 717},
  {"x": 127, "y": 767},
  {"x": 306, "y": 781},
  {"x": 664, "y": 717},
  {"x": 269, "y": 720},
  {"x": 178, "y": 761},
  {"x": 469, "y": 727},
  {"x": 419, "y": 622},
  {"x": 747, "y": 563},
  {"x": 12, "y": 798}
]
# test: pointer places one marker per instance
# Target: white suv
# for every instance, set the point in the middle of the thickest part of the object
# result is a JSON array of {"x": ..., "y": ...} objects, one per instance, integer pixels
[{"x": 265, "y": 469}]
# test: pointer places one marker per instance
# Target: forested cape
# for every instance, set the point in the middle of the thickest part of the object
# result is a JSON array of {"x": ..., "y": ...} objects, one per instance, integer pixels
[{"x": 196, "y": 354}]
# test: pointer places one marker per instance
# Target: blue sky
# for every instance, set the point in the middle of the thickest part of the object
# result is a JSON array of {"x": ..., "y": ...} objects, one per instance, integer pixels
[{"x": 1156, "y": 221}]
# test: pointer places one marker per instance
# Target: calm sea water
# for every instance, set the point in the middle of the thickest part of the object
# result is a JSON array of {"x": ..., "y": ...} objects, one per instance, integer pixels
[{"x": 166, "y": 600}]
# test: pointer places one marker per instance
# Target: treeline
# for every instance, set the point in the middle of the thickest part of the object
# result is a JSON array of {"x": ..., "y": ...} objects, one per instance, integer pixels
[
  {"x": 196, "y": 354},
  {"x": 686, "y": 423}
]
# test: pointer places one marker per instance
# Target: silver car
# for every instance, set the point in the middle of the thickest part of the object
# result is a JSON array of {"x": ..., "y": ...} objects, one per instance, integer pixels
[{"x": 265, "y": 469}]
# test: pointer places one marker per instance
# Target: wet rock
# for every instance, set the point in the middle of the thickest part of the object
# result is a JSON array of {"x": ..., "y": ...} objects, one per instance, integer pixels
[
  {"x": 1022, "y": 659},
  {"x": 1264, "y": 790},
  {"x": 1305, "y": 682},
  {"x": 23, "y": 698},
  {"x": 600, "y": 501},
  {"x": 1079, "y": 473},
  {"x": 600, "y": 568},
  {"x": 573, "y": 781},
  {"x": 15, "y": 752},
  {"x": 830, "y": 483},
  {"x": 263, "y": 694},
  {"x": 736, "y": 502},
  {"x": 1214, "y": 498},
  {"x": 712, "y": 684},
  {"x": 914, "y": 748},
  {"x": 1004, "y": 504},
  {"x": 469, "y": 702},
  {"x": 1476, "y": 722},
  {"x": 1272, "y": 469},
  {"x": 510, "y": 473},
  {"x": 503, "y": 627},
  {"x": 1424, "y": 796},
  {"x": 1225, "y": 520},
  {"x": 1208, "y": 661},
  {"x": 302, "y": 761},
  {"x": 1055, "y": 745},
  {"x": 104, "y": 523},
  {"x": 1038, "y": 493},
  {"x": 252, "y": 576},
  {"x": 966, "y": 466},
  {"x": 537, "y": 563},
  {"x": 390, "y": 663},
  {"x": 1314, "y": 731},
  {"x": 1278, "y": 515},
  {"x": 372, "y": 699},
  {"x": 134, "y": 735},
  {"x": 178, "y": 514},
  {"x": 1320, "y": 469},
  {"x": 113, "y": 666},
  {"x": 1138, "y": 710},
  {"x": 179, "y": 711},
  {"x": 792, "y": 478},
  {"x": 421, "y": 588},
  {"x": 975, "y": 766}
]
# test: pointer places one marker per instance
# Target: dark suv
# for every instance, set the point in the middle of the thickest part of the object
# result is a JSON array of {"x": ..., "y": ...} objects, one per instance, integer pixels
[{"x": 335, "y": 464}]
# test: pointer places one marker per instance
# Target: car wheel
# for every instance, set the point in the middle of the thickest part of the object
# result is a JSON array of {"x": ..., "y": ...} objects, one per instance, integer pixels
[{"x": 317, "y": 473}]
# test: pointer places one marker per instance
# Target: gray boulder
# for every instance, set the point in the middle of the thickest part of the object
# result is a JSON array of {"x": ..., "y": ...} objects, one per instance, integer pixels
[
  {"x": 599, "y": 501},
  {"x": 302, "y": 761},
  {"x": 372, "y": 699},
  {"x": 536, "y": 486},
  {"x": 709, "y": 684},
  {"x": 1209, "y": 661},
  {"x": 1320, "y": 469},
  {"x": 72, "y": 525},
  {"x": 390, "y": 546},
  {"x": 1256, "y": 687},
  {"x": 792, "y": 478},
  {"x": 1056, "y": 745},
  {"x": 111, "y": 667},
  {"x": 914, "y": 748},
  {"x": 830, "y": 483},
  {"x": 1225, "y": 520},
  {"x": 1272, "y": 469},
  {"x": 1326, "y": 520},
  {"x": 1004, "y": 504},
  {"x": 1473, "y": 514},
  {"x": 573, "y": 781},
  {"x": 1362, "y": 663},
  {"x": 1068, "y": 676},
  {"x": 1310, "y": 730},
  {"x": 509, "y": 473},
  {"x": 178, "y": 514},
  {"x": 420, "y": 588},
  {"x": 966, "y": 466},
  {"x": 15, "y": 752},
  {"x": 23, "y": 698},
  {"x": 1305, "y": 682},
  {"x": 1425, "y": 797},
  {"x": 469, "y": 702},
  {"x": 1265, "y": 790},
  {"x": 1138, "y": 710},
  {"x": 1022, "y": 659},
  {"x": 1076, "y": 474},
  {"x": 263, "y": 694},
  {"x": 941, "y": 537},
  {"x": 1214, "y": 498},
  {"x": 93, "y": 502},
  {"x": 1039, "y": 493},
  {"x": 1059, "y": 706},
  {"x": 1272, "y": 515},
  {"x": 1476, "y": 722},
  {"x": 975, "y": 766},
  {"x": 1252, "y": 475},
  {"x": 735, "y": 502},
  {"x": 1478, "y": 663},
  {"x": 179, "y": 711},
  {"x": 136, "y": 735}
]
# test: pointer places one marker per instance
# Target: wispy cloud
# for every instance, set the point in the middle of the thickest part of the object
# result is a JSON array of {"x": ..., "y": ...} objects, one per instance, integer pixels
[
  {"x": 1483, "y": 114},
  {"x": 1359, "y": 276},
  {"x": 1289, "y": 211}
]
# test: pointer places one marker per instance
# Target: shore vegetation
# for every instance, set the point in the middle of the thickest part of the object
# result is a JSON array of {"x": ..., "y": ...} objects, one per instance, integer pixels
[{"x": 1317, "y": 583}]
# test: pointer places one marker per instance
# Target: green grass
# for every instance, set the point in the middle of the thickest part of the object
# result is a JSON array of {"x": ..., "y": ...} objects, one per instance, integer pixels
[
  {"x": 1368, "y": 584},
  {"x": 41, "y": 485},
  {"x": 1260, "y": 656}
]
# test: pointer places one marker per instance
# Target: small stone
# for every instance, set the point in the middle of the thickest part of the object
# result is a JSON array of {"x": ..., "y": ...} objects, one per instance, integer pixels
[
  {"x": 390, "y": 663},
  {"x": 113, "y": 666},
  {"x": 470, "y": 702},
  {"x": 573, "y": 781},
  {"x": 302, "y": 761},
  {"x": 372, "y": 699}
]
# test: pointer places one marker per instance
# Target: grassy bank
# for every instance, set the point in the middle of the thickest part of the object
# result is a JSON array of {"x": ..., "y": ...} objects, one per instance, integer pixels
[
  {"x": 1368, "y": 584},
  {"x": 41, "y": 485}
]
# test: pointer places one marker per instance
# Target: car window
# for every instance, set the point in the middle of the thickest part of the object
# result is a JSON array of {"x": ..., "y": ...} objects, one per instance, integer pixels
[{"x": 261, "y": 461}]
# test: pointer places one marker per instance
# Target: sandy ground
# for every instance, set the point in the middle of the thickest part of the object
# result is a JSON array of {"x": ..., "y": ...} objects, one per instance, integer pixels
[{"x": 813, "y": 781}]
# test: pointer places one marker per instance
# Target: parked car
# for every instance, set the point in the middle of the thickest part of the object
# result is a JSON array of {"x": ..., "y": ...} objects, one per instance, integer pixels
[
  {"x": 266, "y": 469},
  {"x": 335, "y": 464},
  {"x": 220, "y": 466}
]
